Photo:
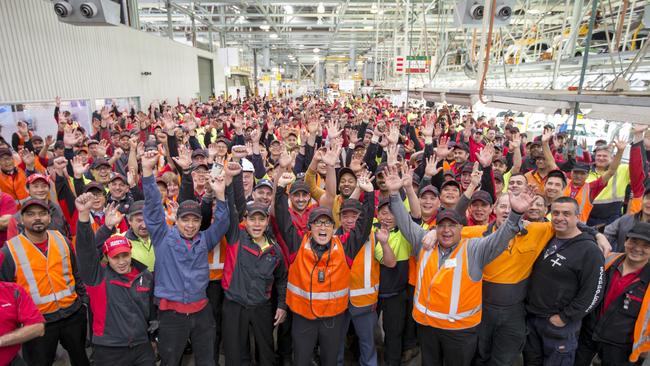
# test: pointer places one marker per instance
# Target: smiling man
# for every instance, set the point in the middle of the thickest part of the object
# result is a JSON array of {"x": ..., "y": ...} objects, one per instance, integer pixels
[{"x": 572, "y": 265}]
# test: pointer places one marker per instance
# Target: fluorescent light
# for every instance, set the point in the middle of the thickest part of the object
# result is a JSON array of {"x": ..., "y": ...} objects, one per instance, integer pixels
[
  {"x": 316, "y": 50},
  {"x": 273, "y": 35},
  {"x": 288, "y": 9},
  {"x": 265, "y": 27},
  {"x": 320, "y": 9},
  {"x": 368, "y": 27}
]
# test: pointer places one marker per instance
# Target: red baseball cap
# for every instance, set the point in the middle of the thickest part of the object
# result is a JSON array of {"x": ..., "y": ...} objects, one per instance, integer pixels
[
  {"x": 34, "y": 177},
  {"x": 115, "y": 245}
]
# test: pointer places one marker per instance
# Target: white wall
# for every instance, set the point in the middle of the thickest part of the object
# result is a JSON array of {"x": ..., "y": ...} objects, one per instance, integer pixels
[{"x": 41, "y": 58}]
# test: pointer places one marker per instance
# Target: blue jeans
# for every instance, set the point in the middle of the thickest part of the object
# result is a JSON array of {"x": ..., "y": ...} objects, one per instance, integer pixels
[{"x": 364, "y": 326}]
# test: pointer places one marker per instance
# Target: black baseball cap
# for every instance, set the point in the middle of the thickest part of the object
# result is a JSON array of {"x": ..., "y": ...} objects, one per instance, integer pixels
[
  {"x": 189, "y": 207},
  {"x": 449, "y": 183},
  {"x": 95, "y": 186},
  {"x": 34, "y": 202},
  {"x": 467, "y": 168},
  {"x": 580, "y": 167},
  {"x": 351, "y": 205},
  {"x": 253, "y": 208},
  {"x": 264, "y": 183},
  {"x": 461, "y": 146},
  {"x": 100, "y": 162},
  {"x": 299, "y": 186},
  {"x": 640, "y": 230},
  {"x": 345, "y": 170},
  {"x": 136, "y": 207},
  {"x": 116, "y": 176},
  {"x": 199, "y": 152},
  {"x": 452, "y": 215},
  {"x": 429, "y": 188},
  {"x": 318, "y": 212},
  {"x": 383, "y": 202},
  {"x": 481, "y": 196}
]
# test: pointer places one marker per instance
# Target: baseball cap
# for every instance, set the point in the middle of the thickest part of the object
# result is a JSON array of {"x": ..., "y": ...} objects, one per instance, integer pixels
[
  {"x": 450, "y": 215},
  {"x": 346, "y": 170},
  {"x": 115, "y": 245},
  {"x": 37, "y": 138},
  {"x": 247, "y": 166},
  {"x": 199, "y": 152},
  {"x": 264, "y": 183},
  {"x": 467, "y": 168},
  {"x": 580, "y": 167},
  {"x": 34, "y": 177},
  {"x": 136, "y": 207},
  {"x": 640, "y": 230},
  {"x": 92, "y": 142},
  {"x": 196, "y": 166},
  {"x": 116, "y": 176},
  {"x": 299, "y": 186},
  {"x": 351, "y": 205},
  {"x": 252, "y": 208},
  {"x": 318, "y": 212},
  {"x": 461, "y": 145},
  {"x": 451, "y": 182},
  {"x": 481, "y": 196},
  {"x": 383, "y": 202},
  {"x": 381, "y": 167},
  {"x": 498, "y": 177},
  {"x": 429, "y": 188},
  {"x": 161, "y": 180},
  {"x": 100, "y": 162},
  {"x": 189, "y": 207},
  {"x": 93, "y": 185},
  {"x": 33, "y": 202}
]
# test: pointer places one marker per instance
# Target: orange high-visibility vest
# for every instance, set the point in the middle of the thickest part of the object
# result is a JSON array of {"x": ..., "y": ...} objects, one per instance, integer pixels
[
  {"x": 584, "y": 200},
  {"x": 216, "y": 259},
  {"x": 447, "y": 297},
  {"x": 364, "y": 276},
  {"x": 641, "y": 334},
  {"x": 413, "y": 263},
  {"x": 307, "y": 296},
  {"x": 48, "y": 279}
]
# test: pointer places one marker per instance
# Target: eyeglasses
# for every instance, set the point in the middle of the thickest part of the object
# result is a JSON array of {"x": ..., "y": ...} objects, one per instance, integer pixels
[{"x": 323, "y": 223}]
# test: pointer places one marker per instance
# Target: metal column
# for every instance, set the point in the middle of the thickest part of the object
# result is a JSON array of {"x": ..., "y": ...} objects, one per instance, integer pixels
[{"x": 170, "y": 27}]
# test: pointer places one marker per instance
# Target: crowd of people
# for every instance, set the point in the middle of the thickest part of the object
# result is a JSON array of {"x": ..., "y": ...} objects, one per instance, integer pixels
[{"x": 295, "y": 231}]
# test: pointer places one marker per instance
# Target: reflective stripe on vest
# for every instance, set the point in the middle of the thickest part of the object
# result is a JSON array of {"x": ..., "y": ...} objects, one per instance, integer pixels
[
  {"x": 452, "y": 315},
  {"x": 216, "y": 258},
  {"x": 368, "y": 258},
  {"x": 26, "y": 267},
  {"x": 614, "y": 191},
  {"x": 317, "y": 295}
]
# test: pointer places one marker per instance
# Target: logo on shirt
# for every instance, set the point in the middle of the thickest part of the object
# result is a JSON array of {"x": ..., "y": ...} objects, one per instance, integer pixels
[{"x": 558, "y": 260}]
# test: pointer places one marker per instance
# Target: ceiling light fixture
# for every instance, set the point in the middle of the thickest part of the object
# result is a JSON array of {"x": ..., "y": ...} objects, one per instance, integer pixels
[
  {"x": 273, "y": 35},
  {"x": 288, "y": 9},
  {"x": 316, "y": 50},
  {"x": 265, "y": 27},
  {"x": 320, "y": 9}
]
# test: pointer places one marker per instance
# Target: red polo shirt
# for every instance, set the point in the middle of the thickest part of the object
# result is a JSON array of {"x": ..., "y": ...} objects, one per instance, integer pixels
[
  {"x": 17, "y": 309},
  {"x": 618, "y": 285}
]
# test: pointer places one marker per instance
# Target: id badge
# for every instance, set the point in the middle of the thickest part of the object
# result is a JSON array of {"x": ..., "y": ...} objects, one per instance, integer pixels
[{"x": 450, "y": 263}]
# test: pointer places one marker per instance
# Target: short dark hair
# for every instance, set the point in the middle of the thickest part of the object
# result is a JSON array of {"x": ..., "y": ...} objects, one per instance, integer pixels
[
  {"x": 557, "y": 174},
  {"x": 566, "y": 199}
]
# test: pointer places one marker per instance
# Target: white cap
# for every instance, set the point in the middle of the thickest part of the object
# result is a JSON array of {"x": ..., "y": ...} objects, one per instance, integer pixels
[{"x": 247, "y": 166}]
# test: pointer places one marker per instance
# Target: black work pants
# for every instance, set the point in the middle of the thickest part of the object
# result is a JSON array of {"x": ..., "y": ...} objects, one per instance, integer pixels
[
  {"x": 140, "y": 355},
  {"x": 393, "y": 321},
  {"x": 235, "y": 331},
  {"x": 326, "y": 332},
  {"x": 70, "y": 331},
  {"x": 174, "y": 330},
  {"x": 448, "y": 347},
  {"x": 610, "y": 355},
  {"x": 501, "y": 334},
  {"x": 410, "y": 328},
  {"x": 549, "y": 345},
  {"x": 215, "y": 295}
]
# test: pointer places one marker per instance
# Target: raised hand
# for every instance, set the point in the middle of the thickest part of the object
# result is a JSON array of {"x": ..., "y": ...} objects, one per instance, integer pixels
[
  {"x": 427, "y": 130},
  {"x": 84, "y": 202},
  {"x": 59, "y": 165},
  {"x": 28, "y": 158},
  {"x": 149, "y": 161},
  {"x": 393, "y": 134},
  {"x": 391, "y": 155},
  {"x": 407, "y": 176},
  {"x": 230, "y": 170},
  {"x": 443, "y": 150},
  {"x": 333, "y": 152},
  {"x": 356, "y": 164},
  {"x": 172, "y": 209},
  {"x": 69, "y": 139},
  {"x": 333, "y": 130},
  {"x": 382, "y": 235},
  {"x": 286, "y": 159},
  {"x": 313, "y": 126},
  {"x": 79, "y": 168},
  {"x": 432, "y": 169},
  {"x": 516, "y": 141},
  {"x": 620, "y": 144},
  {"x": 477, "y": 174},
  {"x": 429, "y": 240},
  {"x": 239, "y": 152},
  {"x": 392, "y": 179},
  {"x": 485, "y": 155},
  {"x": 102, "y": 147},
  {"x": 364, "y": 181},
  {"x": 112, "y": 215},
  {"x": 286, "y": 179},
  {"x": 184, "y": 158},
  {"x": 218, "y": 185},
  {"x": 255, "y": 136},
  {"x": 546, "y": 136},
  {"x": 117, "y": 153},
  {"x": 522, "y": 201}
]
